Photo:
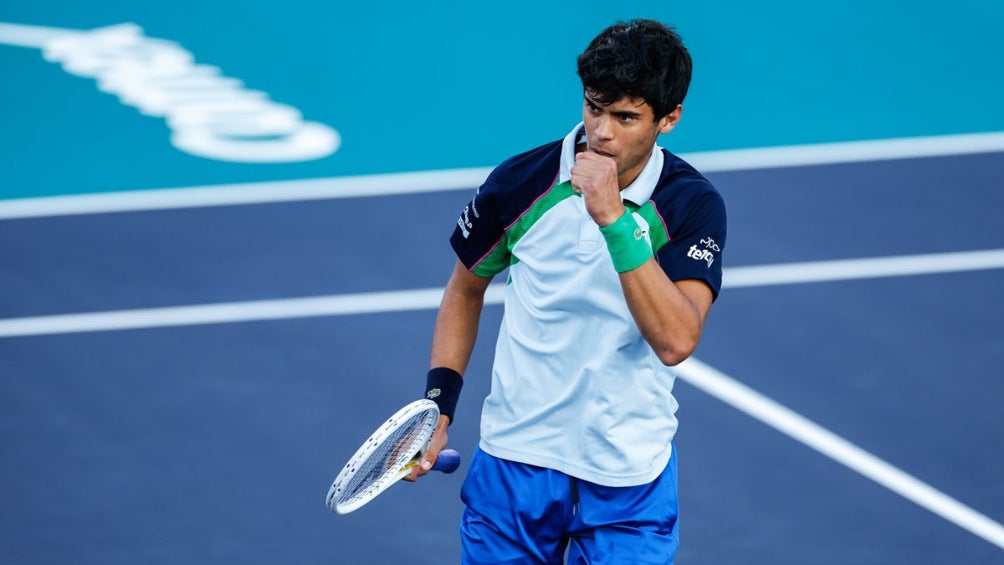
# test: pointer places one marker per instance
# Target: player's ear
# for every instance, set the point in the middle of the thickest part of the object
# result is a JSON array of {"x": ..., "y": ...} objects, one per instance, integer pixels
[{"x": 669, "y": 121}]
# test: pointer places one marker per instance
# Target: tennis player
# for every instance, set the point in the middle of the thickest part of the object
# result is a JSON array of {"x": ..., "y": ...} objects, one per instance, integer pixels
[{"x": 614, "y": 250}]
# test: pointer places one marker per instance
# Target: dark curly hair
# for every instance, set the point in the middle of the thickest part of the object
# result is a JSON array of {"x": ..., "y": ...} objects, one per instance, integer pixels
[{"x": 639, "y": 59}]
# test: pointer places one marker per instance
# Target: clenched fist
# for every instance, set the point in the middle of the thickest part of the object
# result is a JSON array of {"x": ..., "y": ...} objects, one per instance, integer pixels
[{"x": 594, "y": 176}]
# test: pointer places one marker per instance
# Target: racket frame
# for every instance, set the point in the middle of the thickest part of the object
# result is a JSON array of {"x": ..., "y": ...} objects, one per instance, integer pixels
[{"x": 372, "y": 445}]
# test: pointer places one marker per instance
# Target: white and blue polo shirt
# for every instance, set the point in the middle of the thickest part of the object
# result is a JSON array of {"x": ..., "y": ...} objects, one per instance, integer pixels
[{"x": 575, "y": 387}]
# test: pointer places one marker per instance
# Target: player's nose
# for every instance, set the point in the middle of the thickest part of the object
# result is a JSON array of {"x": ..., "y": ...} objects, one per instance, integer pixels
[{"x": 603, "y": 129}]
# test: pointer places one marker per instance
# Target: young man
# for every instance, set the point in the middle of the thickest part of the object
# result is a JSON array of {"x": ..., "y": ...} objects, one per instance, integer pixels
[{"x": 614, "y": 250}]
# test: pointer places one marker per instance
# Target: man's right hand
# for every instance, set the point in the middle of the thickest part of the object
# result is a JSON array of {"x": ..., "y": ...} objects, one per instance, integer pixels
[{"x": 436, "y": 444}]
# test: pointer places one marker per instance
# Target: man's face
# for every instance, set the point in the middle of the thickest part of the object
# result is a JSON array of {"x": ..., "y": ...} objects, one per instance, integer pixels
[{"x": 625, "y": 130}]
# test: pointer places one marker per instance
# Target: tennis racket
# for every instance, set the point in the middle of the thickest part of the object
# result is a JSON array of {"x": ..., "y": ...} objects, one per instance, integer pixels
[{"x": 388, "y": 456}]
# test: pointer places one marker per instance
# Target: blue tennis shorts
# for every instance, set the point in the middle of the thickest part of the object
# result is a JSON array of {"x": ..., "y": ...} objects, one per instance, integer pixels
[{"x": 522, "y": 514}]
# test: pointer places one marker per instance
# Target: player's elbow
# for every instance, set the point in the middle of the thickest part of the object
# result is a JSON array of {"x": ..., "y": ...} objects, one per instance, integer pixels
[
  {"x": 676, "y": 350},
  {"x": 673, "y": 357}
]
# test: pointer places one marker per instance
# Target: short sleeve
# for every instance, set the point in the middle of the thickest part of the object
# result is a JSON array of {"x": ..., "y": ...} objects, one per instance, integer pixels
[
  {"x": 479, "y": 236},
  {"x": 696, "y": 239}
]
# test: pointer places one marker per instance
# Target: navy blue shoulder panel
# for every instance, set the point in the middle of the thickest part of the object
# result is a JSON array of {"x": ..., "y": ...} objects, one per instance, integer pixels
[
  {"x": 508, "y": 191},
  {"x": 694, "y": 214}
]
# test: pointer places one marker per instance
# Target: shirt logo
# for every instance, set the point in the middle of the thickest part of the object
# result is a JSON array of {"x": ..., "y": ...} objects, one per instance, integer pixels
[
  {"x": 464, "y": 221},
  {"x": 705, "y": 254}
]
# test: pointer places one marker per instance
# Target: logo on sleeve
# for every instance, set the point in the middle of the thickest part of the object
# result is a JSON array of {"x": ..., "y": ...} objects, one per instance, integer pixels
[
  {"x": 464, "y": 221},
  {"x": 709, "y": 243},
  {"x": 704, "y": 253}
]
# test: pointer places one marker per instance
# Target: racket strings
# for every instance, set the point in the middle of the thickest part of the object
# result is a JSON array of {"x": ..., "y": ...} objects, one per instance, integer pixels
[{"x": 389, "y": 456}]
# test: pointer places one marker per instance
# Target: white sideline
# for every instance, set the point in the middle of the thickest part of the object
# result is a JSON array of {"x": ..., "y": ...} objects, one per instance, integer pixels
[{"x": 803, "y": 430}]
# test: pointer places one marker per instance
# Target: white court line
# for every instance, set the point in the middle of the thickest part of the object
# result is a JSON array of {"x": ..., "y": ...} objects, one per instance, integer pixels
[
  {"x": 421, "y": 299},
  {"x": 788, "y": 422},
  {"x": 822, "y": 271},
  {"x": 848, "y": 152},
  {"x": 230, "y": 312},
  {"x": 692, "y": 371},
  {"x": 468, "y": 179},
  {"x": 244, "y": 193}
]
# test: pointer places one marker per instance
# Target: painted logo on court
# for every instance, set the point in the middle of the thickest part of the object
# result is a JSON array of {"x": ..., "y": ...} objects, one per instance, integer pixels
[{"x": 210, "y": 115}]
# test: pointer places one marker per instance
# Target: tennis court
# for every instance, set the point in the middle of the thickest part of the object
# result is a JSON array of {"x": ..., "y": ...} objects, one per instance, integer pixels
[{"x": 183, "y": 371}]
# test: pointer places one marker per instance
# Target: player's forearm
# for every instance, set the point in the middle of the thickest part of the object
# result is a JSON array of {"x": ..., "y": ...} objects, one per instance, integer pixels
[
  {"x": 455, "y": 333},
  {"x": 668, "y": 319},
  {"x": 456, "y": 326}
]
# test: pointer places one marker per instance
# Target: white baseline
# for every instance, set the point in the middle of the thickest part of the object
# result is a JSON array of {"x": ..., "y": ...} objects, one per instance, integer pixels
[{"x": 468, "y": 179}]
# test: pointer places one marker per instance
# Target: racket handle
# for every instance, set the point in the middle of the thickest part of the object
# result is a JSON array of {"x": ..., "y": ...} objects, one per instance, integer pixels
[{"x": 447, "y": 462}]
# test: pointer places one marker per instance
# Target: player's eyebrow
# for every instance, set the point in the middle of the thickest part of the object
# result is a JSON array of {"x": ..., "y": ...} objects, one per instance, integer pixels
[
  {"x": 619, "y": 113},
  {"x": 593, "y": 101}
]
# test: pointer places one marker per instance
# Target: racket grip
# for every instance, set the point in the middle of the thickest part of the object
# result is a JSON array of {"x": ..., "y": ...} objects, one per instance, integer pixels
[{"x": 447, "y": 462}]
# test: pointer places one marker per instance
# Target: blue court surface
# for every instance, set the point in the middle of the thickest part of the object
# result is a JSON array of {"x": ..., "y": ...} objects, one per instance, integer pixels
[{"x": 184, "y": 370}]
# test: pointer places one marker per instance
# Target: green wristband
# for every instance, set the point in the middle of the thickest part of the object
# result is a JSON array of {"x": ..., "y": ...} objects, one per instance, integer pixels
[{"x": 629, "y": 248}]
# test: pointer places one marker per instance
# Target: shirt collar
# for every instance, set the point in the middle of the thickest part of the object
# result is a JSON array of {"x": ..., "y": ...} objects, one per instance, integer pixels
[{"x": 638, "y": 191}]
